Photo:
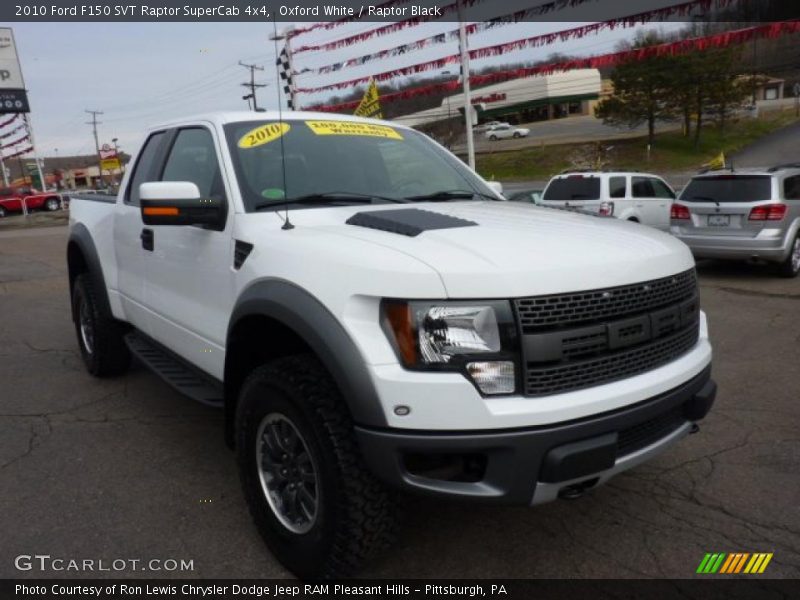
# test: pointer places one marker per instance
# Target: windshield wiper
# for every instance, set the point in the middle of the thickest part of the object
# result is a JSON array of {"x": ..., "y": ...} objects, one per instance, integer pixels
[
  {"x": 446, "y": 195},
  {"x": 327, "y": 198}
]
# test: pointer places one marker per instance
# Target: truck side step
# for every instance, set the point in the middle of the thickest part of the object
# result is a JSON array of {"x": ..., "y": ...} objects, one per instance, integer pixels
[{"x": 184, "y": 378}]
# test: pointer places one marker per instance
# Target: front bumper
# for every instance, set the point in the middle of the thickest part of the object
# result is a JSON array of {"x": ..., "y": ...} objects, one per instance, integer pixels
[{"x": 534, "y": 465}]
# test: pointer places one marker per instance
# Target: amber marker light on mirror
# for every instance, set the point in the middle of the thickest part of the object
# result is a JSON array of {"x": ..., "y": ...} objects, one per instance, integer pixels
[{"x": 160, "y": 211}]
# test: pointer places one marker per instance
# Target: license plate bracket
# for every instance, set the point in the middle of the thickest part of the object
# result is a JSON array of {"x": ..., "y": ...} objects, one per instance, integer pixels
[{"x": 719, "y": 220}]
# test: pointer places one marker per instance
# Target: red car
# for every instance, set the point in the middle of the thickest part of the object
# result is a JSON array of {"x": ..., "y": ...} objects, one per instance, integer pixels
[{"x": 11, "y": 200}]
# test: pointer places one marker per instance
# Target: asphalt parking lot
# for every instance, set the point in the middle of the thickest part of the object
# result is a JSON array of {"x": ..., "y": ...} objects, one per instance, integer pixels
[{"x": 127, "y": 468}]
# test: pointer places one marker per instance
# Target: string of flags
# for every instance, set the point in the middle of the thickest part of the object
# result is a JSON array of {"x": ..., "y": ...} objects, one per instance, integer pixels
[
  {"x": 14, "y": 144},
  {"x": 9, "y": 121},
  {"x": 404, "y": 24},
  {"x": 720, "y": 40},
  {"x": 285, "y": 72},
  {"x": 331, "y": 24},
  {"x": 660, "y": 14}
]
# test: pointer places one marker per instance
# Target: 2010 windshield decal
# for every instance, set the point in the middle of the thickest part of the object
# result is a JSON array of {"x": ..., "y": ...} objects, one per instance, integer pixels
[{"x": 263, "y": 134}]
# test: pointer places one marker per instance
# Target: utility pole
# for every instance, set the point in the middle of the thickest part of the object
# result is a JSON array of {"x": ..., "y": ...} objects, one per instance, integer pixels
[
  {"x": 94, "y": 123},
  {"x": 465, "y": 73},
  {"x": 253, "y": 85}
]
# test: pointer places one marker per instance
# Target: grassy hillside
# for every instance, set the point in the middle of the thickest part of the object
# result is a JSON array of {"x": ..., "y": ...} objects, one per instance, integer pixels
[{"x": 671, "y": 151}]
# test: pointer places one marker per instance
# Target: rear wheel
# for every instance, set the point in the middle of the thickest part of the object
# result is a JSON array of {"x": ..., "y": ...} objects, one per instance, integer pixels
[
  {"x": 791, "y": 266},
  {"x": 493, "y": 138},
  {"x": 52, "y": 204},
  {"x": 517, "y": 135},
  {"x": 100, "y": 336},
  {"x": 319, "y": 510},
  {"x": 2, "y": 212}
]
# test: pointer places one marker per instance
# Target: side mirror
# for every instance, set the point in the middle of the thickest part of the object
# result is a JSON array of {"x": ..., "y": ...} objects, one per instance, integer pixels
[
  {"x": 178, "y": 203},
  {"x": 496, "y": 187}
]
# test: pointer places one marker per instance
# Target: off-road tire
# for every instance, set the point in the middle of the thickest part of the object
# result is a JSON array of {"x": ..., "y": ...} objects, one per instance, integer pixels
[
  {"x": 355, "y": 513},
  {"x": 108, "y": 356},
  {"x": 788, "y": 268}
]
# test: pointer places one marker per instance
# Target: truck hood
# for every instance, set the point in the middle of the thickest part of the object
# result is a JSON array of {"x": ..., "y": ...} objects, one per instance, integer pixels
[{"x": 516, "y": 249}]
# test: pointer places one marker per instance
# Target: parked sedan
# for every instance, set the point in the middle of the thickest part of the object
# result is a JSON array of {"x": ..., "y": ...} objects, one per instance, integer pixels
[{"x": 505, "y": 132}]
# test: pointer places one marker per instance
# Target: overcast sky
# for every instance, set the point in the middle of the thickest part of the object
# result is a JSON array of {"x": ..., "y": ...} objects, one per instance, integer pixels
[{"x": 141, "y": 73}]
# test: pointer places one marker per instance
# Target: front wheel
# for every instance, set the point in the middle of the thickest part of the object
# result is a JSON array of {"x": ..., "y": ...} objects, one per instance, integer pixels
[
  {"x": 493, "y": 138},
  {"x": 517, "y": 135},
  {"x": 319, "y": 510},
  {"x": 100, "y": 336},
  {"x": 791, "y": 266},
  {"x": 52, "y": 204},
  {"x": 2, "y": 212}
]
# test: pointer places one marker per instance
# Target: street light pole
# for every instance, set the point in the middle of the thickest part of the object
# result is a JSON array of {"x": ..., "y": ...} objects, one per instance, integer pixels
[{"x": 465, "y": 74}]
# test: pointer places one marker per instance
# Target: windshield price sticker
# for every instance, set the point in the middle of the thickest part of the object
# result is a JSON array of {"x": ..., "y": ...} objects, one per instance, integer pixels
[
  {"x": 361, "y": 129},
  {"x": 263, "y": 134}
]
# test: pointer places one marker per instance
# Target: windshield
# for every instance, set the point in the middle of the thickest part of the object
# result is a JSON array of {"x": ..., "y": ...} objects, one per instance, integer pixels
[
  {"x": 728, "y": 188},
  {"x": 336, "y": 158},
  {"x": 574, "y": 187}
]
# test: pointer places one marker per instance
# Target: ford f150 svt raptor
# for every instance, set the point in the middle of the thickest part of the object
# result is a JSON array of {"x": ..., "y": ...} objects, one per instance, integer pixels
[{"x": 372, "y": 315}]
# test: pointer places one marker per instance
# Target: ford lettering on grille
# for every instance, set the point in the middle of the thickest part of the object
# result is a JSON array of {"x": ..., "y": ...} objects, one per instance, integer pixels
[{"x": 580, "y": 340}]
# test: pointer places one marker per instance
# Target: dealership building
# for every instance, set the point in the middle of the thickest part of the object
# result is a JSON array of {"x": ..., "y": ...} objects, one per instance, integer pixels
[{"x": 525, "y": 100}]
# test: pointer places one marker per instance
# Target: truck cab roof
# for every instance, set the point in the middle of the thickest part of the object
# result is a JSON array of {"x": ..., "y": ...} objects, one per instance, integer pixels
[{"x": 225, "y": 117}]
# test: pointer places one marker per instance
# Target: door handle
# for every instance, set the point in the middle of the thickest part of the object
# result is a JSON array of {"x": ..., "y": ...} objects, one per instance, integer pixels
[{"x": 147, "y": 239}]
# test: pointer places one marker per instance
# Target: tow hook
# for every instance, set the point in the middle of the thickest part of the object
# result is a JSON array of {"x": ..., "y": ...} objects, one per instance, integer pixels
[
  {"x": 695, "y": 428},
  {"x": 576, "y": 490}
]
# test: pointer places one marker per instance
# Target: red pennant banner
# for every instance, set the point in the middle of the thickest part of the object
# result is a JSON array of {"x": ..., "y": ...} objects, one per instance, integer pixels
[
  {"x": 332, "y": 24},
  {"x": 20, "y": 153},
  {"x": 661, "y": 14},
  {"x": 720, "y": 40},
  {"x": 8, "y": 121},
  {"x": 516, "y": 17},
  {"x": 17, "y": 142}
]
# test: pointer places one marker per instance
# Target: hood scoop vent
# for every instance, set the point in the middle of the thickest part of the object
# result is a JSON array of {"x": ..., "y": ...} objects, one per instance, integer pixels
[{"x": 407, "y": 221}]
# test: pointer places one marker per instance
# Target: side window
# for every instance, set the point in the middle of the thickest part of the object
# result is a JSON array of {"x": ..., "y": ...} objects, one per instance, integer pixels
[
  {"x": 661, "y": 189},
  {"x": 617, "y": 187},
  {"x": 791, "y": 188},
  {"x": 642, "y": 187},
  {"x": 193, "y": 157},
  {"x": 143, "y": 171}
]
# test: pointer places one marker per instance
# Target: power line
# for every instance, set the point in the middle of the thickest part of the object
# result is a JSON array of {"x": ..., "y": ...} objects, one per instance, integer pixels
[{"x": 252, "y": 85}]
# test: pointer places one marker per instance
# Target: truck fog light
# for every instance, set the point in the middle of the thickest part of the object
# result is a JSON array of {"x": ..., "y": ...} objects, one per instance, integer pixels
[{"x": 493, "y": 377}]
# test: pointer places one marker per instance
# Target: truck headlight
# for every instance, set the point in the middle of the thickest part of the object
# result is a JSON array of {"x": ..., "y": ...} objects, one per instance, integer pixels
[{"x": 478, "y": 339}]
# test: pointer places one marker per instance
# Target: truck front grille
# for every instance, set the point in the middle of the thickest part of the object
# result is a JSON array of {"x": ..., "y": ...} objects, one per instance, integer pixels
[
  {"x": 607, "y": 335},
  {"x": 543, "y": 312}
]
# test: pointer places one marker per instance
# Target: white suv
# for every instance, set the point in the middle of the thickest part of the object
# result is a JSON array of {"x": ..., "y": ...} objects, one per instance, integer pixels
[{"x": 638, "y": 197}]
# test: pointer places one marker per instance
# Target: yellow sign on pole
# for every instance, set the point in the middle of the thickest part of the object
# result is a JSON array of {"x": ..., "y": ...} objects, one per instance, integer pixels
[
  {"x": 371, "y": 103},
  {"x": 110, "y": 164}
]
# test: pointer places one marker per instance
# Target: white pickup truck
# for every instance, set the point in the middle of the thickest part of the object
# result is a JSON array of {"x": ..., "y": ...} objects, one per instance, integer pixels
[{"x": 372, "y": 316}]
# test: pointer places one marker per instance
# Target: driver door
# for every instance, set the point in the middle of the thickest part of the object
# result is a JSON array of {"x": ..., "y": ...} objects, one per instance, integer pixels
[{"x": 189, "y": 286}]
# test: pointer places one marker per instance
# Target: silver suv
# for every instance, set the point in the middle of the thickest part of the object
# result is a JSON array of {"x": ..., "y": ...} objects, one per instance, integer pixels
[{"x": 742, "y": 214}]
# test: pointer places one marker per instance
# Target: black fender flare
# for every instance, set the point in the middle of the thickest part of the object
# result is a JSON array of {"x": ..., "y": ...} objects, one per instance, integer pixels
[
  {"x": 306, "y": 316},
  {"x": 80, "y": 236}
]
